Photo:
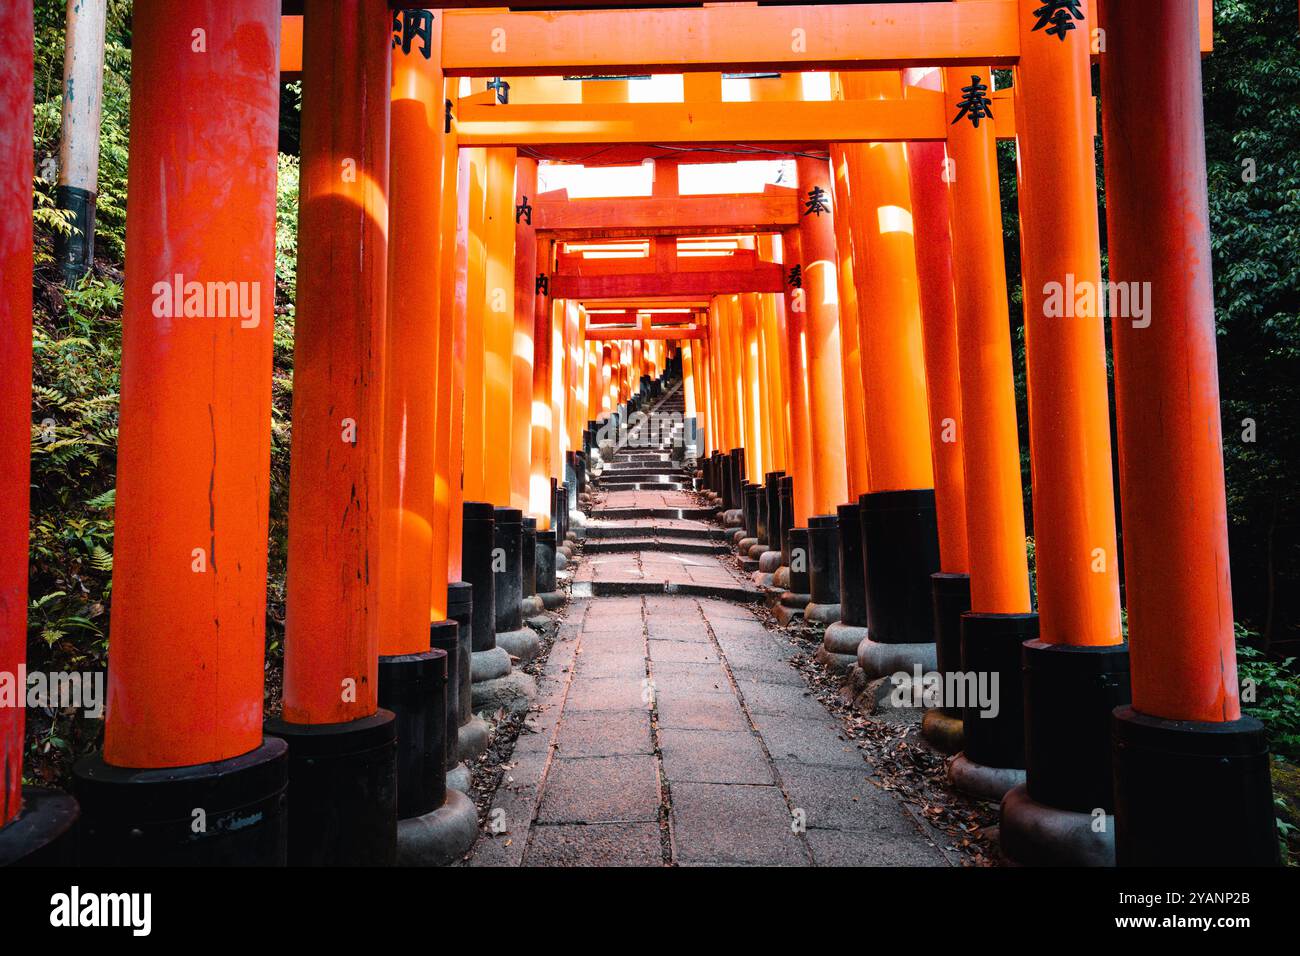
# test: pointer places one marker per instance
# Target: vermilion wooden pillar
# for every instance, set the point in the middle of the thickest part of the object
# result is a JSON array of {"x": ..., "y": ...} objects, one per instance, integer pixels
[
  {"x": 1069, "y": 420},
  {"x": 1186, "y": 760},
  {"x": 798, "y": 426},
  {"x": 193, "y": 457},
  {"x": 498, "y": 435},
  {"x": 473, "y": 169},
  {"x": 526, "y": 341},
  {"x": 931, "y": 175},
  {"x": 453, "y": 263},
  {"x": 541, "y": 423},
  {"x": 930, "y": 186},
  {"x": 991, "y": 445},
  {"x": 997, "y": 593},
  {"x": 337, "y": 734},
  {"x": 412, "y": 345},
  {"x": 1078, "y": 672},
  {"x": 757, "y": 454},
  {"x": 822, "y": 330},
  {"x": 855, "y": 421},
  {"x": 16, "y": 385}
]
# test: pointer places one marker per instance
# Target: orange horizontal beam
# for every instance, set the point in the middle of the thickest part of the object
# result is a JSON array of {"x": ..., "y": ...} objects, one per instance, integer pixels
[
  {"x": 633, "y": 335},
  {"x": 732, "y": 38},
  {"x": 576, "y": 265},
  {"x": 291, "y": 39},
  {"x": 634, "y": 318},
  {"x": 758, "y": 212},
  {"x": 767, "y": 277},
  {"x": 919, "y": 116}
]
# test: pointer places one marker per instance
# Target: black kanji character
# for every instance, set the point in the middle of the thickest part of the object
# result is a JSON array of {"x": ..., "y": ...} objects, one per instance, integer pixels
[
  {"x": 446, "y": 126},
  {"x": 410, "y": 25},
  {"x": 1058, "y": 14},
  {"x": 974, "y": 104},
  {"x": 796, "y": 277},
  {"x": 816, "y": 202},
  {"x": 525, "y": 212},
  {"x": 543, "y": 285}
]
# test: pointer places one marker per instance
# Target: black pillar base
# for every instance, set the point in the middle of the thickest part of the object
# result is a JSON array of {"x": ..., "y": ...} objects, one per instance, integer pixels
[
  {"x": 508, "y": 569},
  {"x": 478, "y": 540},
  {"x": 799, "y": 581},
  {"x": 414, "y": 688},
  {"x": 1070, "y": 693},
  {"x": 991, "y": 645},
  {"x": 900, "y": 550},
  {"x": 343, "y": 791},
  {"x": 147, "y": 817},
  {"x": 950, "y": 595},
  {"x": 75, "y": 250},
  {"x": 823, "y": 569},
  {"x": 460, "y": 608},
  {"x": 1189, "y": 793},
  {"x": 45, "y": 831},
  {"x": 853, "y": 586}
]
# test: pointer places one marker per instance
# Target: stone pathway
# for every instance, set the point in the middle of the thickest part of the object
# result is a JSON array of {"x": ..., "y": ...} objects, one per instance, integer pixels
[{"x": 670, "y": 729}]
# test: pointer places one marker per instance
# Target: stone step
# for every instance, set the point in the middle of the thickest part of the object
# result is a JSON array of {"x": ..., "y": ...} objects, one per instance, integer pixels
[
  {"x": 641, "y": 485},
  {"x": 601, "y": 531},
  {"x": 675, "y": 545},
  {"x": 615, "y": 514},
  {"x": 738, "y": 593}
]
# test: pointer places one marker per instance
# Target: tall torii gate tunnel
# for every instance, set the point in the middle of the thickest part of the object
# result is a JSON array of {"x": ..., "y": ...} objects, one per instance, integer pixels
[{"x": 493, "y": 362}]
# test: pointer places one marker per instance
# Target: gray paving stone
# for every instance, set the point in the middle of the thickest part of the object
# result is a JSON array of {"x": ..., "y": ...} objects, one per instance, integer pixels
[
  {"x": 813, "y": 742},
  {"x": 768, "y": 672},
  {"x": 600, "y": 790},
  {"x": 692, "y": 678},
  {"x": 699, "y": 711},
  {"x": 859, "y": 848},
  {"x": 713, "y": 756},
  {"x": 733, "y": 824},
  {"x": 629, "y": 665},
  {"x": 598, "y": 844},
  {"x": 682, "y": 652},
  {"x": 604, "y": 734},
  {"x": 781, "y": 699},
  {"x": 606, "y": 693}
]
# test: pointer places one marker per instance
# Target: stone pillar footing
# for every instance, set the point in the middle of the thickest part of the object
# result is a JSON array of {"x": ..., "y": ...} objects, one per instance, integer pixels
[
  {"x": 489, "y": 665},
  {"x": 440, "y": 837},
  {"x": 1034, "y": 834},
  {"x": 521, "y": 643},
  {"x": 839, "y": 649},
  {"x": 882, "y": 660},
  {"x": 473, "y": 739},
  {"x": 825, "y": 614},
  {"x": 513, "y": 692},
  {"x": 458, "y": 778},
  {"x": 980, "y": 781},
  {"x": 942, "y": 731},
  {"x": 45, "y": 831}
]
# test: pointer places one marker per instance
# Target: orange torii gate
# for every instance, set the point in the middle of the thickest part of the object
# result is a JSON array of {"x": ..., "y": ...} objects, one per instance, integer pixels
[{"x": 181, "y": 537}]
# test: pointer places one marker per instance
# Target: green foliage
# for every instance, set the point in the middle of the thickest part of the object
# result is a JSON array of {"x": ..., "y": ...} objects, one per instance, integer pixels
[{"x": 1270, "y": 693}]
